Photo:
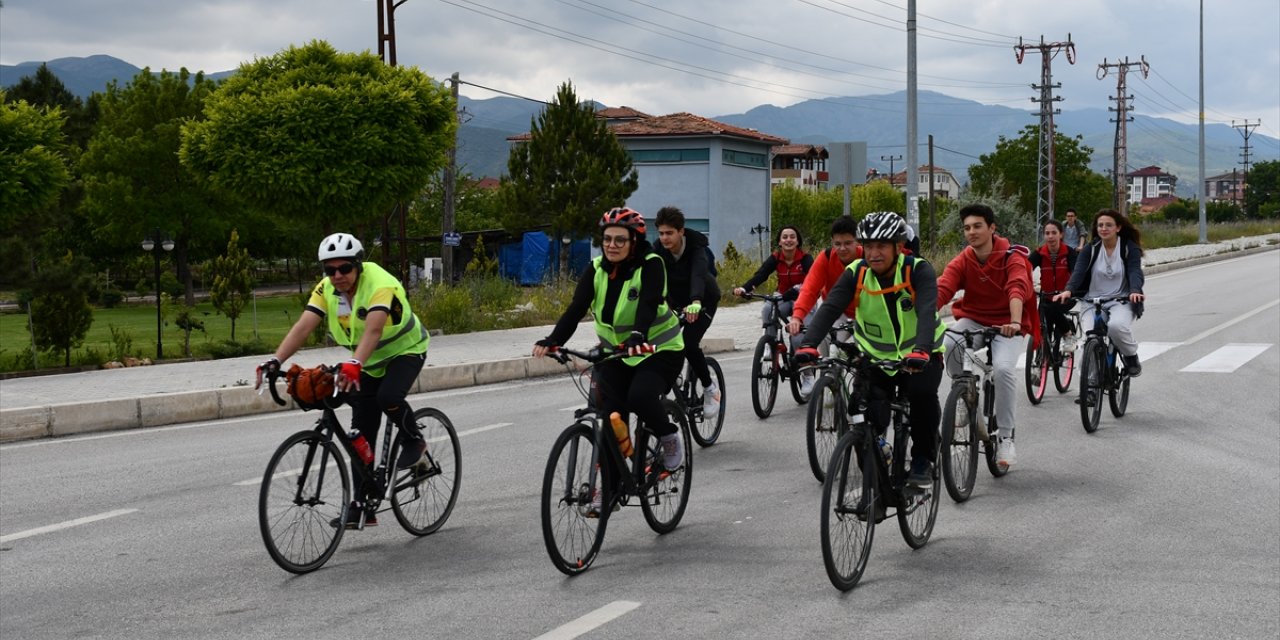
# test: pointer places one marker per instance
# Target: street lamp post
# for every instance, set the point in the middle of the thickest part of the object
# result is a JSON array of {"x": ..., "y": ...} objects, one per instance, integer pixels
[
  {"x": 763, "y": 232},
  {"x": 153, "y": 244}
]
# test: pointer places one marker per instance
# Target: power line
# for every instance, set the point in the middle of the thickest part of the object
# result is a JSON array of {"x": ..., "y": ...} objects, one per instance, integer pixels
[
  {"x": 899, "y": 26},
  {"x": 954, "y": 24},
  {"x": 505, "y": 93}
]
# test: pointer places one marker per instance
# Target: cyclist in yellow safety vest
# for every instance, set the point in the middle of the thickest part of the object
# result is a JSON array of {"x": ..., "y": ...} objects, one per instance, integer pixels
[
  {"x": 366, "y": 310},
  {"x": 895, "y": 312},
  {"x": 625, "y": 289}
]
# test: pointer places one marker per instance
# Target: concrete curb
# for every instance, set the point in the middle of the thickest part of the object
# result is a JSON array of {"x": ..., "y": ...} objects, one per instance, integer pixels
[{"x": 25, "y": 423}]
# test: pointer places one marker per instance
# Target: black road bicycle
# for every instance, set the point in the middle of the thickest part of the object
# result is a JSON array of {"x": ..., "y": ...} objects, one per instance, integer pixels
[
  {"x": 862, "y": 485},
  {"x": 588, "y": 478},
  {"x": 306, "y": 489},
  {"x": 1101, "y": 369},
  {"x": 1049, "y": 355},
  {"x": 773, "y": 361},
  {"x": 969, "y": 418}
]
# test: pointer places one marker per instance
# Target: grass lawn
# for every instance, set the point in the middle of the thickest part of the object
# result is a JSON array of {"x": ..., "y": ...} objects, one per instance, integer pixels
[{"x": 138, "y": 322}]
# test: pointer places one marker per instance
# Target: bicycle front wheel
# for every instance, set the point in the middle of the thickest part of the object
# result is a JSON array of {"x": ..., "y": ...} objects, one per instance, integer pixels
[
  {"x": 959, "y": 459},
  {"x": 918, "y": 511},
  {"x": 1092, "y": 373},
  {"x": 1036, "y": 370},
  {"x": 850, "y": 506},
  {"x": 423, "y": 495},
  {"x": 764, "y": 377},
  {"x": 706, "y": 431},
  {"x": 665, "y": 492},
  {"x": 825, "y": 423},
  {"x": 575, "y": 509},
  {"x": 303, "y": 500}
]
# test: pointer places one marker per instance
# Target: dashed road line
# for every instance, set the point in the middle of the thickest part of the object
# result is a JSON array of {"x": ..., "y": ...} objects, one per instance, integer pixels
[
  {"x": 597, "y": 618},
  {"x": 1226, "y": 359},
  {"x": 63, "y": 525}
]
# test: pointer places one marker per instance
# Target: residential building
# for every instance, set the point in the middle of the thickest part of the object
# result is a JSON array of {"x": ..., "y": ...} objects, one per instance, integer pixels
[
  {"x": 1150, "y": 182},
  {"x": 803, "y": 166},
  {"x": 944, "y": 183},
  {"x": 1225, "y": 187},
  {"x": 718, "y": 174}
]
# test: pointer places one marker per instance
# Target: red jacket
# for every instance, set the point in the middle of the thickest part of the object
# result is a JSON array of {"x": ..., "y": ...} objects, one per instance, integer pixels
[
  {"x": 989, "y": 287},
  {"x": 827, "y": 268}
]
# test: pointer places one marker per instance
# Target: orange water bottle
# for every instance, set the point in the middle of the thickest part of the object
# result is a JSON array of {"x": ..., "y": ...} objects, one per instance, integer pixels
[{"x": 621, "y": 432}]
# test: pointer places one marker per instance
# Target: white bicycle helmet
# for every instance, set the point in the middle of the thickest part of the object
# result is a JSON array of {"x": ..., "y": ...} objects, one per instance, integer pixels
[
  {"x": 882, "y": 225},
  {"x": 341, "y": 245}
]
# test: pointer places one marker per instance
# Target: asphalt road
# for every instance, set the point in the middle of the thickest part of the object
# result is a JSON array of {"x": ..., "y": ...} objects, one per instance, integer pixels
[{"x": 1163, "y": 524}]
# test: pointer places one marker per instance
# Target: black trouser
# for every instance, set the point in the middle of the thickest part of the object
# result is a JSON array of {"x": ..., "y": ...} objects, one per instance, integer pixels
[
  {"x": 693, "y": 344},
  {"x": 922, "y": 395},
  {"x": 1055, "y": 313},
  {"x": 385, "y": 395},
  {"x": 639, "y": 389}
]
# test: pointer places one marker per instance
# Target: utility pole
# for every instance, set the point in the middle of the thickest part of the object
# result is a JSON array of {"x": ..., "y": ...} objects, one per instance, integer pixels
[
  {"x": 1120, "y": 158},
  {"x": 913, "y": 163},
  {"x": 1047, "y": 171},
  {"x": 1200, "y": 190},
  {"x": 1244, "y": 129},
  {"x": 387, "y": 51},
  {"x": 933, "y": 208},
  {"x": 450, "y": 169},
  {"x": 890, "y": 160}
]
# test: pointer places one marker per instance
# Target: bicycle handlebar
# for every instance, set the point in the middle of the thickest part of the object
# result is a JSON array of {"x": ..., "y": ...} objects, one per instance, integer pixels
[
  {"x": 594, "y": 355},
  {"x": 272, "y": 376}
]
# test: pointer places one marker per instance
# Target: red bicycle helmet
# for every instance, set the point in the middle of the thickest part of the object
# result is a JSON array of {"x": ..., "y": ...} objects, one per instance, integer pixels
[{"x": 623, "y": 217}]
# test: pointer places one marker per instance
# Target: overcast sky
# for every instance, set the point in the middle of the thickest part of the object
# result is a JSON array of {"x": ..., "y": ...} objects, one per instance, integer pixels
[{"x": 712, "y": 57}]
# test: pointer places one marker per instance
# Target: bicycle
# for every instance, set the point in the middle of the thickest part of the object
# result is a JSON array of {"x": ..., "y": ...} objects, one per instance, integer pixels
[
  {"x": 962, "y": 425},
  {"x": 688, "y": 393},
  {"x": 588, "y": 478},
  {"x": 772, "y": 360},
  {"x": 1049, "y": 355},
  {"x": 303, "y": 509},
  {"x": 864, "y": 481},
  {"x": 832, "y": 395},
  {"x": 1101, "y": 369}
]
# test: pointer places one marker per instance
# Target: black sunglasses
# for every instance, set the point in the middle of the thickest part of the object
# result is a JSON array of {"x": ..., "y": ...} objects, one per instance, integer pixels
[{"x": 344, "y": 269}]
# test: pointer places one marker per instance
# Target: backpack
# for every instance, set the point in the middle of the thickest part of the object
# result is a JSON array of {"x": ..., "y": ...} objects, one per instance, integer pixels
[{"x": 711, "y": 262}]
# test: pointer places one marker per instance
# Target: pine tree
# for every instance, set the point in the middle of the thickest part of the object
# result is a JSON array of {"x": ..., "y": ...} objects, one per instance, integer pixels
[{"x": 232, "y": 281}]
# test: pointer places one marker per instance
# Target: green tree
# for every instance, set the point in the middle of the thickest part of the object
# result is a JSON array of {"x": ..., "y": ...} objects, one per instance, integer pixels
[
  {"x": 133, "y": 180},
  {"x": 570, "y": 171},
  {"x": 1262, "y": 192},
  {"x": 60, "y": 311},
  {"x": 44, "y": 89},
  {"x": 232, "y": 281},
  {"x": 33, "y": 170},
  {"x": 322, "y": 137},
  {"x": 1011, "y": 171},
  {"x": 476, "y": 208}
]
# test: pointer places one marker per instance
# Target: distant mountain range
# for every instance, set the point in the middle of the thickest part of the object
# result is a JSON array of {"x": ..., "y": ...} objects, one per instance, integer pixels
[{"x": 962, "y": 129}]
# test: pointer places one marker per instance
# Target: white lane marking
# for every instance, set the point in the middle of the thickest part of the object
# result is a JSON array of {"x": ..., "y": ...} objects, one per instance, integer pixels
[
  {"x": 1212, "y": 330},
  {"x": 1227, "y": 358},
  {"x": 575, "y": 628},
  {"x": 573, "y": 408},
  {"x": 282, "y": 474},
  {"x": 64, "y": 525},
  {"x": 1149, "y": 350}
]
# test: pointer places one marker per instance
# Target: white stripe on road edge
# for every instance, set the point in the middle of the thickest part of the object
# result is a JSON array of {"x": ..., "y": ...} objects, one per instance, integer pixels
[
  {"x": 499, "y": 425},
  {"x": 573, "y": 408},
  {"x": 64, "y": 525},
  {"x": 1227, "y": 358},
  {"x": 590, "y": 621}
]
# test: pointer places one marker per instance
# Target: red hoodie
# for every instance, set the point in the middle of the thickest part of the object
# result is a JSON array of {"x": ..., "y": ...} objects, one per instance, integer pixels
[
  {"x": 826, "y": 269},
  {"x": 989, "y": 287}
]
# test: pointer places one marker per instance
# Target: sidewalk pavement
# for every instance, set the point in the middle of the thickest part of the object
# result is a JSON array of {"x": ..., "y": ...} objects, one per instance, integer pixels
[{"x": 109, "y": 399}]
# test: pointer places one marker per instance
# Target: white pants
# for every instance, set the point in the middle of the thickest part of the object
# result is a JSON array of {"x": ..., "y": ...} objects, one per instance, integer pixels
[
  {"x": 1005, "y": 353},
  {"x": 1119, "y": 325}
]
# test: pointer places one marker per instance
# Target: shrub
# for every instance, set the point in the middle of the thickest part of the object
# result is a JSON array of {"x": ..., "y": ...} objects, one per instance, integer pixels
[
  {"x": 233, "y": 349},
  {"x": 109, "y": 298}
]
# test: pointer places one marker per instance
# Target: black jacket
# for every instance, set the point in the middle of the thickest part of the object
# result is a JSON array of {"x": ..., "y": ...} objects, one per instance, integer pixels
[{"x": 689, "y": 278}]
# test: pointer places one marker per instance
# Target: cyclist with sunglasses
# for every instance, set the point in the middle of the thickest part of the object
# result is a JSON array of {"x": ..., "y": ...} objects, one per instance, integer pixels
[
  {"x": 365, "y": 309},
  {"x": 625, "y": 289}
]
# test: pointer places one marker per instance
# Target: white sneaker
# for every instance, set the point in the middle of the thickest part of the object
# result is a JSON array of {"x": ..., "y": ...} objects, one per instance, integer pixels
[
  {"x": 672, "y": 451},
  {"x": 807, "y": 378},
  {"x": 1068, "y": 344},
  {"x": 711, "y": 401},
  {"x": 1006, "y": 455}
]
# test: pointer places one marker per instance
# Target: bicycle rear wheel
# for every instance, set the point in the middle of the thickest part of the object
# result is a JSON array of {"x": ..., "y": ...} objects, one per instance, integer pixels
[
  {"x": 706, "y": 431},
  {"x": 1036, "y": 369},
  {"x": 1063, "y": 369},
  {"x": 665, "y": 493},
  {"x": 1118, "y": 396},
  {"x": 764, "y": 378},
  {"x": 825, "y": 423},
  {"x": 959, "y": 455},
  {"x": 1092, "y": 374},
  {"x": 572, "y": 527},
  {"x": 423, "y": 495},
  {"x": 850, "y": 506},
  {"x": 303, "y": 501}
]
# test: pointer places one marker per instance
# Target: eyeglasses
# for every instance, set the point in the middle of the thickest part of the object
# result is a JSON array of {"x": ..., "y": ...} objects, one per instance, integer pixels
[
  {"x": 344, "y": 269},
  {"x": 617, "y": 241}
]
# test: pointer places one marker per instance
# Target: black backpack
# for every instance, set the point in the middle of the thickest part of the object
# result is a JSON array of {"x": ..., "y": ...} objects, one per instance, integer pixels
[{"x": 711, "y": 262}]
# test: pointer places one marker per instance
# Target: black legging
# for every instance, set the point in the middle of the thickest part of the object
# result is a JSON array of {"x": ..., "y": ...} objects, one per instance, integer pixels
[
  {"x": 627, "y": 389},
  {"x": 1056, "y": 313},
  {"x": 693, "y": 344},
  {"x": 385, "y": 395},
  {"x": 922, "y": 395}
]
